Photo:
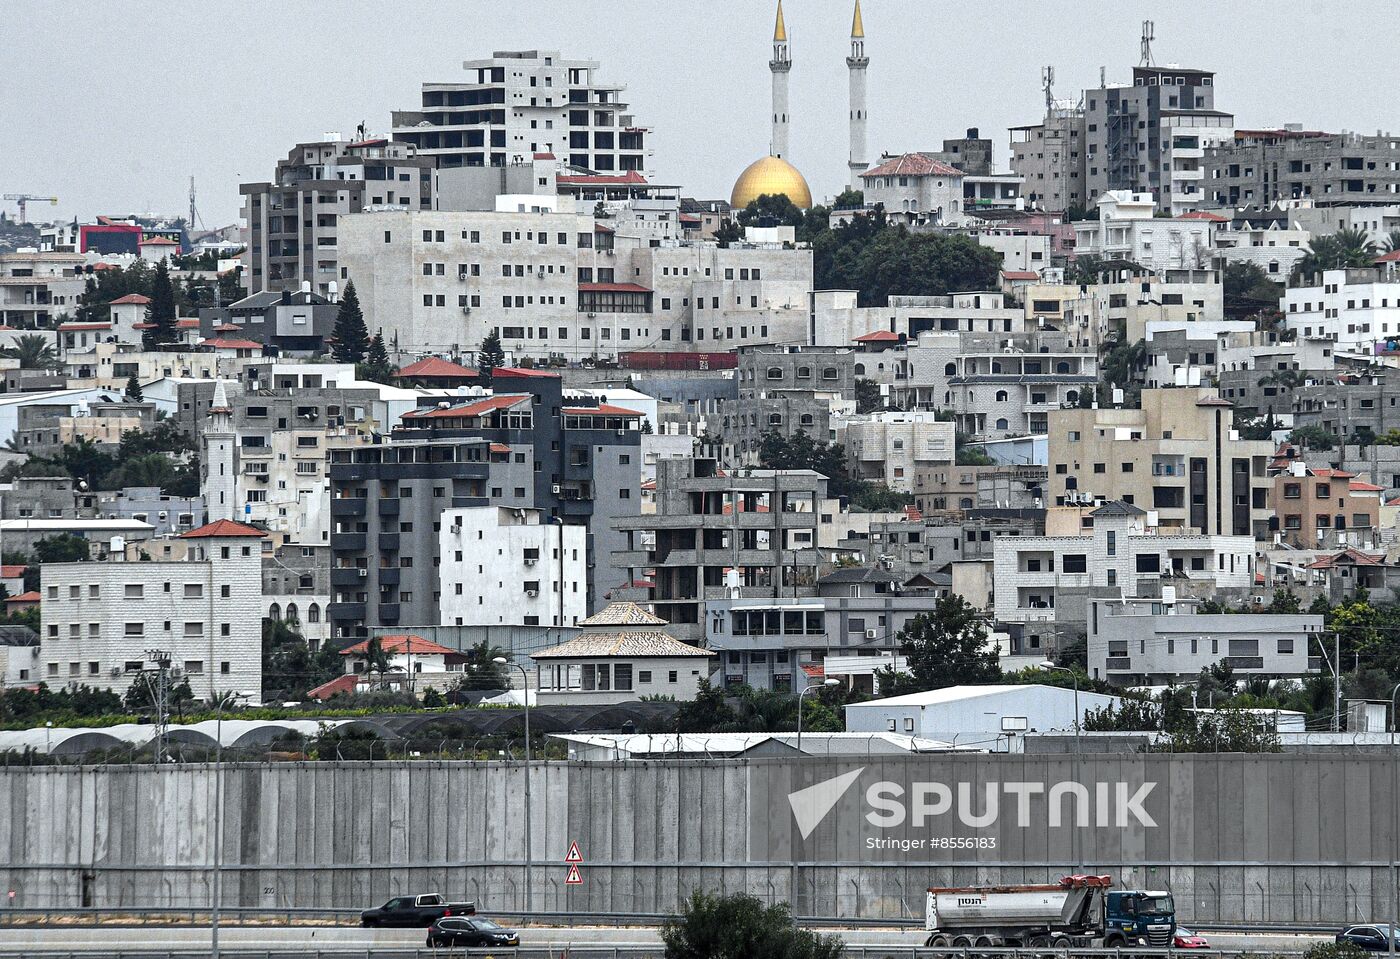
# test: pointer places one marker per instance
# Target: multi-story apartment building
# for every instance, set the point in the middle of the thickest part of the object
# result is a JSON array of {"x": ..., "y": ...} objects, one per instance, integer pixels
[
  {"x": 1358, "y": 309},
  {"x": 1272, "y": 248},
  {"x": 38, "y": 288},
  {"x": 554, "y": 286},
  {"x": 170, "y": 515},
  {"x": 958, "y": 489},
  {"x": 1125, "y": 305},
  {"x": 1050, "y": 156},
  {"x": 526, "y": 445},
  {"x": 915, "y": 188},
  {"x": 1376, "y": 221},
  {"x": 1127, "y": 228},
  {"x": 1178, "y": 455},
  {"x": 997, "y": 385},
  {"x": 1323, "y": 508},
  {"x": 891, "y": 448},
  {"x": 102, "y": 620},
  {"x": 785, "y": 390},
  {"x": 297, "y": 589},
  {"x": 513, "y": 567},
  {"x": 1115, "y": 553},
  {"x": 522, "y": 102},
  {"x": 838, "y": 320},
  {"x": 724, "y": 534},
  {"x": 1351, "y": 404},
  {"x": 292, "y": 234},
  {"x": 1262, "y": 167},
  {"x": 1150, "y": 642},
  {"x": 296, "y": 322},
  {"x": 1151, "y": 136}
]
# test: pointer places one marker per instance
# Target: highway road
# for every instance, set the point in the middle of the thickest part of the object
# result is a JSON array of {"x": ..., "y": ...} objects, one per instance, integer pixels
[{"x": 107, "y": 938}]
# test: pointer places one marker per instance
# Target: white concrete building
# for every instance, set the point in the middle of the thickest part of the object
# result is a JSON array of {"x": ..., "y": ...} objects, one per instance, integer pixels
[
  {"x": 623, "y": 654},
  {"x": 1355, "y": 309},
  {"x": 1019, "y": 251},
  {"x": 1270, "y": 248},
  {"x": 517, "y": 103},
  {"x": 838, "y": 320},
  {"x": 559, "y": 286},
  {"x": 38, "y": 288},
  {"x": 976, "y": 715},
  {"x": 1126, "y": 229},
  {"x": 915, "y": 188},
  {"x": 100, "y": 619},
  {"x": 888, "y": 447},
  {"x": 1048, "y": 578},
  {"x": 504, "y": 566}
]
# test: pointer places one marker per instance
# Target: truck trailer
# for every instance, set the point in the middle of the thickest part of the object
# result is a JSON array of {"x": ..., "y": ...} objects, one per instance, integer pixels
[{"x": 1078, "y": 911}]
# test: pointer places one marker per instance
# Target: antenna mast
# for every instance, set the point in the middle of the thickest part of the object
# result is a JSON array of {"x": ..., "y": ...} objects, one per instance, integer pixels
[
  {"x": 1148, "y": 35},
  {"x": 1047, "y": 81}
]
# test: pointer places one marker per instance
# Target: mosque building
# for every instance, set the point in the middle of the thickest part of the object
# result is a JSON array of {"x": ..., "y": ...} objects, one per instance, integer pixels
[{"x": 774, "y": 174}]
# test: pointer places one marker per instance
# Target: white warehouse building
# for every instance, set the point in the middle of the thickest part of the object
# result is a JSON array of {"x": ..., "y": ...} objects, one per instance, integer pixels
[{"x": 975, "y": 715}]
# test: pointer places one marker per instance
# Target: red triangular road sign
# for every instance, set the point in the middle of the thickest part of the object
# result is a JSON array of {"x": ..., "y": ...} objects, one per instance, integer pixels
[
  {"x": 574, "y": 855},
  {"x": 574, "y": 878}
]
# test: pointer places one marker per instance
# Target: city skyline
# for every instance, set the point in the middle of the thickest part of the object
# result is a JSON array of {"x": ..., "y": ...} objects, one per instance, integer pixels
[{"x": 211, "y": 121}]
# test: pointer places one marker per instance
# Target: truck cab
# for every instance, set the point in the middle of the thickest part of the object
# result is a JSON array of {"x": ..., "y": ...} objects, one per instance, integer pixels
[{"x": 1134, "y": 916}]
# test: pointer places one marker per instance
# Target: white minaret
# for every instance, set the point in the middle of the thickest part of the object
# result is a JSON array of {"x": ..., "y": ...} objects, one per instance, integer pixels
[
  {"x": 780, "y": 65},
  {"x": 219, "y": 480},
  {"x": 856, "y": 64}
]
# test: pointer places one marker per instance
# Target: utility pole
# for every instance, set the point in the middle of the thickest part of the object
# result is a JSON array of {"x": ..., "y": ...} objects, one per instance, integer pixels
[{"x": 161, "y": 658}]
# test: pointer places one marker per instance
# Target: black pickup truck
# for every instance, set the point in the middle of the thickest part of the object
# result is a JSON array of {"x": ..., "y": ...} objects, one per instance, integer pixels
[{"x": 415, "y": 911}]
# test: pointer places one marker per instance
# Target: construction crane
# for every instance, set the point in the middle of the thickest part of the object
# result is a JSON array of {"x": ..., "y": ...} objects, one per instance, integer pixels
[{"x": 23, "y": 198}]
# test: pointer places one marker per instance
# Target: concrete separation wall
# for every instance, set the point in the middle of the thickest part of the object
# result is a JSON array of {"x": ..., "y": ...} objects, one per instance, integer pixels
[{"x": 1271, "y": 838}]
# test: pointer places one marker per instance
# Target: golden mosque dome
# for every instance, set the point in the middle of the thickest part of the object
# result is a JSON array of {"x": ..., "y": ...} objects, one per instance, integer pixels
[{"x": 771, "y": 175}]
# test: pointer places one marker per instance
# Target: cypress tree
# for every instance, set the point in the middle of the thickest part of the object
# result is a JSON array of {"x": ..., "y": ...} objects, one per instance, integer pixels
[{"x": 351, "y": 336}]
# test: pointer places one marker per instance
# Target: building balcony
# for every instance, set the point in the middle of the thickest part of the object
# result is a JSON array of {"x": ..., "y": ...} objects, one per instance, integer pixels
[
  {"x": 389, "y": 575},
  {"x": 389, "y": 614},
  {"x": 634, "y": 558},
  {"x": 347, "y": 542},
  {"x": 389, "y": 507},
  {"x": 342, "y": 612},
  {"x": 348, "y": 507},
  {"x": 1118, "y": 664},
  {"x": 349, "y": 578},
  {"x": 389, "y": 542}
]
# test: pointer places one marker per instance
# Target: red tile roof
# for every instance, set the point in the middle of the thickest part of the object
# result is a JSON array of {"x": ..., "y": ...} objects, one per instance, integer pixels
[
  {"x": 12, "y": 571},
  {"x": 375, "y": 142},
  {"x": 612, "y": 288},
  {"x": 1019, "y": 275},
  {"x": 136, "y": 298},
  {"x": 1204, "y": 215},
  {"x": 473, "y": 407},
  {"x": 544, "y": 156},
  {"x": 188, "y": 323},
  {"x": 913, "y": 164},
  {"x": 403, "y": 644},
  {"x": 1331, "y": 473},
  {"x": 1392, "y": 257},
  {"x": 436, "y": 366},
  {"x": 223, "y": 527},
  {"x": 605, "y": 409},
  {"x": 1358, "y": 486},
  {"x": 1213, "y": 401},
  {"x": 1356, "y": 557},
  {"x": 598, "y": 179},
  {"x": 520, "y": 371},
  {"x": 159, "y": 241},
  {"x": 74, "y": 327},
  {"x": 878, "y": 336},
  {"x": 500, "y": 448},
  {"x": 341, "y": 684},
  {"x": 222, "y": 344},
  {"x": 32, "y": 596},
  {"x": 228, "y": 328}
]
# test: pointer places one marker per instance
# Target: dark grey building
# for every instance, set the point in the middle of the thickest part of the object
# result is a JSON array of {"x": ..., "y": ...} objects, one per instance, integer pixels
[
  {"x": 1261, "y": 167},
  {"x": 785, "y": 390},
  {"x": 527, "y": 445},
  {"x": 292, "y": 321}
]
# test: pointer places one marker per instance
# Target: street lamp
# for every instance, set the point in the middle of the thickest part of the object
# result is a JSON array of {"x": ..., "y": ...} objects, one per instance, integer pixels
[
  {"x": 825, "y": 683},
  {"x": 525, "y": 692},
  {"x": 1074, "y": 833},
  {"x": 219, "y": 820}
]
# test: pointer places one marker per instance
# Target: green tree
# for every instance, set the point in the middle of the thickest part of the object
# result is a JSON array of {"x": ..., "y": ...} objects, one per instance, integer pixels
[
  {"x": 775, "y": 206},
  {"x": 868, "y": 398},
  {"x": 740, "y": 926},
  {"x": 34, "y": 352},
  {"x": 377, "y": 662},
  {"x": 162, "y": 311},
  {"x": 490, "y": 356},
  {"x": 1347, "y": 248},
  {"x": 849, "y": 199},
  {"x": 142, "y": 695},
  {"x": 708, "y": 712},
  {"x": 1248, "y": 290},
  {"x": 968, "y": 455},
  {"x": 350, "y": 334},
  {"x": 376, "y": 368},
  {"x": 481, "y": 671},
  {"x": 63, "y": 548},
  {"x": 1391, "y": 242},
  {"x": 1227, "y": 730},
  {"x": 947, "y": 647},
  {"x": 1129, "y": 715},
  {"x": 1313, "y": 437},
  {"x": 1285, "y": 601},
  {"x": 133, "y": 389}
]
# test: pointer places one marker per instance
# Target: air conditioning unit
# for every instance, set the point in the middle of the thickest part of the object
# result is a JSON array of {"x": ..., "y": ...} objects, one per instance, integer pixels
[
  {"x": 117, "y": 671},
  {"x": 532, "y": 593},
  {"x": 621, "y": 432},
  {"x": 872, "y": 634},
  {"x": 555, "y": 490},
  {"x": 531, "y": 562},
  {"x": 363, "y": 573}
]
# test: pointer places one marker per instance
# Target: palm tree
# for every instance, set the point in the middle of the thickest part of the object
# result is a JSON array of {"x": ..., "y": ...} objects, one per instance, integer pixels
[
  {"x": 376, "y": 660},
  {"x": 1391, "y": 243},
  {"x": 1347, "y": 248},
  {"x": 33, "y": 351}
]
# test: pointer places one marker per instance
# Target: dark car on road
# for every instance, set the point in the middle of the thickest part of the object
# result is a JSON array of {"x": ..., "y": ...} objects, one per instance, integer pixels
[
  {"x": 467, "y": 932},
  {"x": 1370, "y": 938},
  {"x": 421, "y": 910}
]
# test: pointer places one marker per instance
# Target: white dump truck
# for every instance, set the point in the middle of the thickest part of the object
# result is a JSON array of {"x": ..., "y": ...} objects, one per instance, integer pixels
[{"x": 1078, "y": 911}]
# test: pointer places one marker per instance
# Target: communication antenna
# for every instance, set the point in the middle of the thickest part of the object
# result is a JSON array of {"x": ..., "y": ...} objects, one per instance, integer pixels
[
  {"x": 1148, "y": 35},
  {"x": 1103, "y": 77},
  {"x": 1047, "y": 81}
]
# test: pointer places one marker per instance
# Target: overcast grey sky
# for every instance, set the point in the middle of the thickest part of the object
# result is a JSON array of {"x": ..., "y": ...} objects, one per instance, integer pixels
[{"x": 112, "y": 107}]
